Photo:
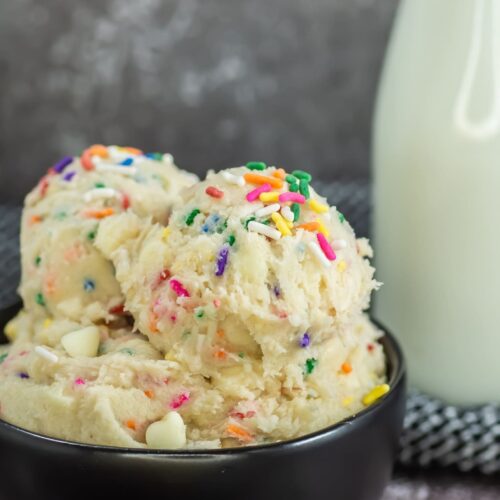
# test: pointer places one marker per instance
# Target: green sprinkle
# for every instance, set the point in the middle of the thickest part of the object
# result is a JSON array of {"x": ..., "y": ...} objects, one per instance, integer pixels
[
  {"x": 38, "y": 260},
  {"x": 296, "y": 211},
  {"x": 300, "y": 174},
  {"x": 341, "y": 217},
  {"x": 60, "y": 215},
  {"x": 190, "y": 218},
  {"x": 291, "y": 179},
  {"x": 250, "y": 219},
  {"x": 199, "y": 312},
  {"x": 3, "y": 357},
  {"x": 256, "y": 165},
  {"x": 155, "y": 156},
  {"x": 231, "y": 239},
  {"x": 310, "y": 365},
  {"x": 128, "y": 351},
  {"x": 91, "y": 235},
  {"x": 40, "y": 299},
  {"x": 266, "y": 222},
  {"x": 100, "y": 185},
  {"x": 304, "y": 188},
  {"x": 241, "y": 355},
  {"x": 294, "y": 188}
]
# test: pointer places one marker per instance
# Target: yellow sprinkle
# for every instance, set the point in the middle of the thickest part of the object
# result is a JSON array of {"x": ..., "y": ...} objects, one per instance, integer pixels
[
  {"x": 47, "y": 322},
  {"x": 342, "y": 266},
  {"x": 166, "y": 233},
  {"x": 322, "y": 228},
  {"x": 347, "y": 401},
  {"x": 170, "y": 356},
  {"x": 376, "y": 393},
  {"x": 10, "y": 331},
  {"x": 269, "y": 197},
  {"x": 289, "y": 223},
  {"x": 281, "y": 224},
  {"x": 317, "y": 207}
]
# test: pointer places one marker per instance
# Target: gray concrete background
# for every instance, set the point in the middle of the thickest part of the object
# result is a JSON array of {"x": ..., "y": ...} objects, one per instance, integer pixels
[{"x": 214, "y": 82}]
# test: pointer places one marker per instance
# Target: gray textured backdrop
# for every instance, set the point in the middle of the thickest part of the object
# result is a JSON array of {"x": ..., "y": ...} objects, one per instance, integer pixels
[{"x": 215, "y": 82}]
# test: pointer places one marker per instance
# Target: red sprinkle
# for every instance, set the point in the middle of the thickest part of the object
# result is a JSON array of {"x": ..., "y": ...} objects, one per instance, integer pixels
[
  {"x": 370, "y": 347},
  {"x": 119, "y": 309},
  {"x": 214, "y": 192},
  {"x": 44, "y": 185},
  {"x": 125, "y": 201},
  {"x": 179, "y": 400}
]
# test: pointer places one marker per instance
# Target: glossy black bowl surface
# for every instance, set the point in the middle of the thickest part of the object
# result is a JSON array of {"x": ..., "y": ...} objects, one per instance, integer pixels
[{"x": 351, "y": 460}]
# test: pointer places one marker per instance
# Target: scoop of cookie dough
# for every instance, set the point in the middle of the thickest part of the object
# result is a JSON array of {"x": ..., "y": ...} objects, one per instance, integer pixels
[
  {"x": 249, "y": 265},
  {"x": 64, "y": 276}
]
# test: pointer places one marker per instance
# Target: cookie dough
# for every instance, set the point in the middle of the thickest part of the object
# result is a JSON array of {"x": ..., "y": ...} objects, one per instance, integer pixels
[
  {"x": 64, "y": 276},
  {"x": 245, "y": 324}
]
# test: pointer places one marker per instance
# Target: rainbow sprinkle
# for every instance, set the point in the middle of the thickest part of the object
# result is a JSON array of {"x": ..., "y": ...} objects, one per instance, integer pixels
[
  {"x": 254, "y": 194},
  {"x": 325, "y": 246},
  {"x": 62, "y": 164},
  {"x": 40, "y": 299},
  {"x": 179, "y": 400},
  {"x": 301, "y": 174},
  {"x": 304, "y": 188},
  {"x": 281, "y": 224},
  {"x": 214, "y": 192},
  {"x": 89, "y": 285},
  {"x": 178, "y": 288},
  {"x": 376, "y": 393},
  {"x": 259, "y": 228},
  {"x": 233, "y": 179},
  {"x": 296, "y": 211},
  {"x": 191, "y": 216},
  {"x": 294, "y": 197},
  {"x": 310, "y": 365},
  {"x": 305, "y": 340},
  {"x": 222, "y": 258},
  {"x": 256, "y": 165}
]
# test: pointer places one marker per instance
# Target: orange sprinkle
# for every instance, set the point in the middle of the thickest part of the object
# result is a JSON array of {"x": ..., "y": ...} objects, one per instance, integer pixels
[
  {"x": 86, "y": 160},
  {"x": 134, "y": 151},
  {"x": 239, "y": 433},
  {"x": 346, "y": 367},
  {"x": 98, "y": 150},
  {"x": 35, "y": 219},
  {"x": 220, "y": 334},
  {"x": 279, "y": 173},
  {"x": 131, "y": 424},
  {"x": 149, "y": 394},
  {"x": 99, "y": 213},
  {"x": 153, "y": 323},
  {"x": 49, "y": 284},
  {"x": 220, "y": 354},
  {"x": 309, "y": 226},
  {"x": 263, "y": 179}
]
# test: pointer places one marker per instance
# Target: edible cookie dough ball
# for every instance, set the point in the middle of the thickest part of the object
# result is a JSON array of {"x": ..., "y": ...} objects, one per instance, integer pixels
[
  {"x": 63, "y": 275},
  {"x": 251, "y": 264}
]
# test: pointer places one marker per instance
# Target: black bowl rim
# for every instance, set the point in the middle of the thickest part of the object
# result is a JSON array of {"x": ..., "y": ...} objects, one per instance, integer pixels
[{"x": 396, "y": 365}]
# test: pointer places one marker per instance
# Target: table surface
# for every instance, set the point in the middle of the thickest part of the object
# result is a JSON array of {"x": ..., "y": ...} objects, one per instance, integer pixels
[{"x": 439, "y": 484}]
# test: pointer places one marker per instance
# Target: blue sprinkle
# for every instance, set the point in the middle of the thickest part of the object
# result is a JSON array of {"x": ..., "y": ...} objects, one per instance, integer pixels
[
  {"x": 23, "y": 375},
  {"x": 127, "y": 162},
  {"x": 210, "y": 223},
  {"x": 89, "y": 285},
  {"x": 62, "y": 164},
  {"x": 305, "y": 340}
]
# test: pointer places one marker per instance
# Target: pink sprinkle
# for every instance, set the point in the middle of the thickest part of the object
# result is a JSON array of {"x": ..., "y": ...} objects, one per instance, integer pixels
[
  {"x": 173, "y": 318},
  {"x": 179, "y": 400},
  {"x": 217, "y": 303},
  {"x": 177, "y": 287},
  {"x": 254, "y": 195},
  {"x": 325, "y": 246},
  {"x": 23, "y": 353},
  {"x": 294, "y": 197},
  {"x": 79, "y": 381}
]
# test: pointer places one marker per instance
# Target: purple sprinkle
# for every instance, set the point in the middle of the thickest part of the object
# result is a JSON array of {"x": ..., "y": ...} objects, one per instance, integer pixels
[
  {"x": 62, "y": 164},
  {"x": 222, "y": 260},
  {"x": 23, "y": 375},
  {"x": 67, "y": 177},
  {"x": 277, "y": 290},
  {"x": 305, "y": 340}
]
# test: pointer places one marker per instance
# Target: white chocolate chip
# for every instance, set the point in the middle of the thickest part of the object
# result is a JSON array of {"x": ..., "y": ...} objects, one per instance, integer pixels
[
  {"x": 339, "y": 244},
  {"x": 83, "y": 342},
  {"x": 168, "y": 433},
  {"x": 100, "y": 193}
]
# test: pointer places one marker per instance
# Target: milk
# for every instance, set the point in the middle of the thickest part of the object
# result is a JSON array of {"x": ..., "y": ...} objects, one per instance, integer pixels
[{"x": 436, "y": 157}]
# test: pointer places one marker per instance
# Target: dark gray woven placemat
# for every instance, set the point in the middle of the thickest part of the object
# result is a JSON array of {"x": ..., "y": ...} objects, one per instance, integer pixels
[{"x": 435, "y": 434}]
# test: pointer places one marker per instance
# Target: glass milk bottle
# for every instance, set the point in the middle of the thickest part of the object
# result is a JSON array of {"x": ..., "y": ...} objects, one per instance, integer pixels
[{"x": 436, "y": 157}]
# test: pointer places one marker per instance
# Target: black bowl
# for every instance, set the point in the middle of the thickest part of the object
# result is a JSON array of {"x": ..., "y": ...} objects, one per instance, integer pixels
[{"x": 351, "y": 460}]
